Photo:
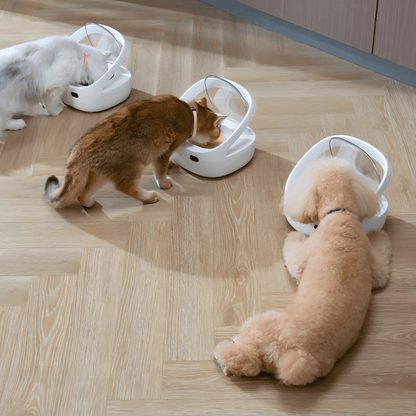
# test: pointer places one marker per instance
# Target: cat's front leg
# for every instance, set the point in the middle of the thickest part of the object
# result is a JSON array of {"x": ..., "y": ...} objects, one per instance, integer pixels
[
  {"x": 160, "y": 167},
  {"x": 52, "y": 101},
  {"x": 15, "y": 124}
]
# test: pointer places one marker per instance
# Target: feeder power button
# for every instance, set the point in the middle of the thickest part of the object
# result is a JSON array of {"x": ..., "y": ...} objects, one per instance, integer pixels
[{"x": 194, "y": 158}]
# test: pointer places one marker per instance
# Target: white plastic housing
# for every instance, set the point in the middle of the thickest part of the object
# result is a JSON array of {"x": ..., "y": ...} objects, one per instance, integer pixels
[
  {"x": 231, "y": 155},
  {"x": 112, "y": 88},
  {"x": 369, "y": 224}
]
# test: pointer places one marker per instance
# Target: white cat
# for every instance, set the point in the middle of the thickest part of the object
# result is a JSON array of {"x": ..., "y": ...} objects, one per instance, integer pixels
[{"x": 34, "y": 75}]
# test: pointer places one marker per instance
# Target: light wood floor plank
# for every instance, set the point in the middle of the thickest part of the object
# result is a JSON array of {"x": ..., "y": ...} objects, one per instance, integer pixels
[
  {"x": 78, "y": 234},
  {"x": 257, "y": 407},
  {"x": 93, "y": 328},
  {"x": 239, "y": 44},
  {"x": 306, "y": 106},
  {"x": 110, "y": 209},
  {"x": 342, "y": 71},
  {"x": 400, "y": 106},
  {"x": 236, "y": 271},
  {"x": 300, "y": 143},
  {"x": 314, "y": 89},
  {"x": 271, "y": 226},
  {"x": 10, "y": 322},
  {"x": 145, "y": 51},
  {"x": 378, "y": 130},
  {"x": 189, "y": 327},
  {"x": 207, "y": 58},
  {"x": 40, "y": 361},
  {"x": 176, "y": 57},
  {"x": 401, "y": 226},
  {"x": 350, "y": 379},
  {"x": 137, "y": 358},
  {"x": 39, "y": 261},
  {"x": 295, "y": 123},
  {"x": 273, "y": 143},
  {"x": 14, "y": 290},
  {"x": 21, "y": 149}
]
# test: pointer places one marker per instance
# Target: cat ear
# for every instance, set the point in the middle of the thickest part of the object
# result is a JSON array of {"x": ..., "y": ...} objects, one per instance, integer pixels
[
  {"x": 203, "y": 101},
  {"x": 218, "y": 120}
]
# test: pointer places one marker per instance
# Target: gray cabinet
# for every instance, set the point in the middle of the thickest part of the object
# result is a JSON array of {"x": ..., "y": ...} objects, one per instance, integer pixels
[
  {"x": 347, "y": 21},
  {"x": 395, "y": 34},
  {"x": 386, "y": 28}
]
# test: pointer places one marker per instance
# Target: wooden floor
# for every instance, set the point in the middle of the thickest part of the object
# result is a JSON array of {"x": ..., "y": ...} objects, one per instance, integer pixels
[{"x": 116, "y": 311}]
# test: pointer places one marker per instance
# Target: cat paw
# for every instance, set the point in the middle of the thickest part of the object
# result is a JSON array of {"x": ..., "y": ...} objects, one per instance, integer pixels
[
  {"x": 151, "y": 198},
  {"x": 165, "y": 183},
  {"x": 56, "y": 110},
  {"x": 14, "y": 124},
  {"x": 88, "y": 204}
]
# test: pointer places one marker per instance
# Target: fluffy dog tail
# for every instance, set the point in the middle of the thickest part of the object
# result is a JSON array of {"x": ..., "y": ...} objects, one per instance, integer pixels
[{"x": 67, "y": 194}]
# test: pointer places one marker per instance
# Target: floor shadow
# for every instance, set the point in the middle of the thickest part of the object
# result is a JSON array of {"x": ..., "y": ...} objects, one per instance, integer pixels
[{"x": 113, "y": 213}]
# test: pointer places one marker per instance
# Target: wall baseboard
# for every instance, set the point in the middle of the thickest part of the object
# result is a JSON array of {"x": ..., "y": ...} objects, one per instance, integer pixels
[{"x": 323, "y": 43}]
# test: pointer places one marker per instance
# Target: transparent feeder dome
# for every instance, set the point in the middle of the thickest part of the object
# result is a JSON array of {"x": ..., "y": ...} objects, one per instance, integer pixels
[
  {"x": 104, "y": 40},
  {"x": 355, "y": 156},
  {"x": 225, "y": 99},
  {"x": 115, "y": 85},
  {"x": 236, "y": 145},
  {"x": 366, "y": 159}
]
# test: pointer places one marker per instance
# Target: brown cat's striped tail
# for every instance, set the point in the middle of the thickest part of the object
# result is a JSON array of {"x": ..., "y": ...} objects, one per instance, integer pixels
[{"x": 67, "y": 194}]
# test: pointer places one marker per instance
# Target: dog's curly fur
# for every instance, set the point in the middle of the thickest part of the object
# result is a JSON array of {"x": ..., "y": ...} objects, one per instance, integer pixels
[{"x": 335, "y": 268}]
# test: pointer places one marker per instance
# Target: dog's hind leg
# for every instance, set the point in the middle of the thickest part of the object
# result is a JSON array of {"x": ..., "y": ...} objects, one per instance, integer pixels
[
  {"x": 294, "y": 254},
  {"x": 297, "y": 368},
  {"x": 380, "y": 248}
]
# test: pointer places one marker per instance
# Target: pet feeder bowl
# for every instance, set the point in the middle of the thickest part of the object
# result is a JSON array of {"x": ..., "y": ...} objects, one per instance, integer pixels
[
  {"x": 364, "y": 157},
  {"x": 227, "y": 98},
  {"x": 115, "y": 85}
]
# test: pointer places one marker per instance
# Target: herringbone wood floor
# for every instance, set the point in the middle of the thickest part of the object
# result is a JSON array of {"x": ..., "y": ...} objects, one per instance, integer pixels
[{"x": 116, "y": 311}]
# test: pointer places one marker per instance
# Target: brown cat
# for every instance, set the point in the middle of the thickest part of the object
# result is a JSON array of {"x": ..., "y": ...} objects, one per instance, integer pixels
[{"x": 119, "y": 148}]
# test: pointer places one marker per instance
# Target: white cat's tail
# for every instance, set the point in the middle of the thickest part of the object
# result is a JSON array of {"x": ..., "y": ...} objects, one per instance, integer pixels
[{"x": 67, "y": 194}]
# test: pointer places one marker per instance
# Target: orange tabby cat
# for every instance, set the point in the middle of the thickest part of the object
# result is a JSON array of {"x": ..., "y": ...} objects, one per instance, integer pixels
[{"x": 119, "y": 148}]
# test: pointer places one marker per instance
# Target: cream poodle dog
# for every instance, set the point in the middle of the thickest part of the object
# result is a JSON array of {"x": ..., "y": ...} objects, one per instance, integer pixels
[{"x": 336, "y": 268}]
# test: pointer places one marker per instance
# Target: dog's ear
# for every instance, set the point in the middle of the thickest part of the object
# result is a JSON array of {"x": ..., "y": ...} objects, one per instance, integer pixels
[
  {"x": 300, "y": 202},
  {"x": 365, "y": 197}
]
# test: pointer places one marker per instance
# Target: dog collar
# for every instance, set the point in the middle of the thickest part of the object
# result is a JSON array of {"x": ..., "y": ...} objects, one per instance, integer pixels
[
  {"x": 331, "y": 212},
  {"x": 193, "y": 109},
  {"x": 85, "y": 58},
  {"x": 335, "y": 210}
]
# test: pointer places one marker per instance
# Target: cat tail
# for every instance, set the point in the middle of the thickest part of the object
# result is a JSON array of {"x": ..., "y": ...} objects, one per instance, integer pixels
[{"x": 67, "y": 194}]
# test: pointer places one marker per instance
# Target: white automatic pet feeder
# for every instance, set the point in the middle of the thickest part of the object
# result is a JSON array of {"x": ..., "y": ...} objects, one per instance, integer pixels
[
  {"x": 227, "y": 98},
  {"x": 360, "y": 154},
  {"x": 115, "y": 85}
]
